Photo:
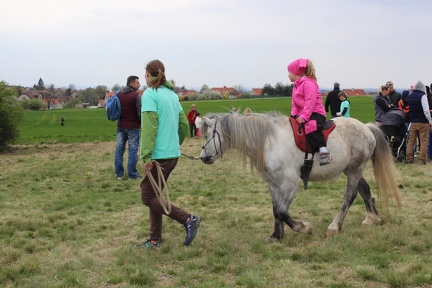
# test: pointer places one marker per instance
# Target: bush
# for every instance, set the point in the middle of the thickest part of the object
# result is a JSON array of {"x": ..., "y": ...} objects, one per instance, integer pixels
[
  {"x": 32, "y": 104},
  {"x": 11, "y": 115}
]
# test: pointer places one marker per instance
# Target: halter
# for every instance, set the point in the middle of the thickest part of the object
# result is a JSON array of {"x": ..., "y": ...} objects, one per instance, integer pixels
[{"x": 215, "y": 132}]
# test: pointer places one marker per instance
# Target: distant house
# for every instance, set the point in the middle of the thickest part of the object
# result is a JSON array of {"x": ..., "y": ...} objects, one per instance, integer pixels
[
  {"x": 109, "y": 94},
  {"x": 256, "y": 91},
  {"x": 225, "y": 91},
  {"x": 355, "y": 92},
  {"x": 184, "y": 93},
  {"x": 31, "y": 94}
]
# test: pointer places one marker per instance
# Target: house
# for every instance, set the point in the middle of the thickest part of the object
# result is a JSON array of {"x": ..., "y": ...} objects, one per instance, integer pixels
[
  {"x": 228, "y": 92},
  {"x": 355, "y": 92},
  {"x": 256, "y": 91},
  {"x": 31, "y": 94},
  {"x": 184, "y": 93}
]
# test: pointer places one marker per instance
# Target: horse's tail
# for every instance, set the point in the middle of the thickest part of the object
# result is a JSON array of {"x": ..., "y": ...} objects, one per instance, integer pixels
[{"x": 384, "y": 169}]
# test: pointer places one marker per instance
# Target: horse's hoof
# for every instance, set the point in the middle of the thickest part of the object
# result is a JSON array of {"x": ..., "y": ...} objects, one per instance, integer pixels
[
  {"x": 306, "y": 229},
  {"x": 371, "y": 220},
  {"x": 271, "y": 240},
  {"x": 332, "y": 232}
]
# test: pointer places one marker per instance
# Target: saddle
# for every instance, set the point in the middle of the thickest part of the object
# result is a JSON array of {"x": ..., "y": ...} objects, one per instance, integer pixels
[
  {"x": 301, "y": 142},
  {"x": 300, "y": 135}
]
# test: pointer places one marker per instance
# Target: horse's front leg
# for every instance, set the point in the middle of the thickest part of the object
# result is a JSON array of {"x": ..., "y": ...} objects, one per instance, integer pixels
[
  {"x": 350, "y": 195},
  {"x": 282, "y": 197}
]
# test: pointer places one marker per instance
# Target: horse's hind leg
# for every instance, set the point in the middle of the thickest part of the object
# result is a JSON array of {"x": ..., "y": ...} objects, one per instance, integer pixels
[
  {"x": 371, "y": 212},
  {"x": 350, "y": 195}
]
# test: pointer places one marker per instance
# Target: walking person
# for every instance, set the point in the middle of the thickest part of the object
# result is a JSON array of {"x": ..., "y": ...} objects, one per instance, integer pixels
[
  {"x": 191, "y": 117},
  {"x": 128, "y": 129},
  {"x": 164, "y": 127},
  {"x": 307, "y": 107},
  {"x": 421, "y": 122},
  {"x": 333, "y": 101}
]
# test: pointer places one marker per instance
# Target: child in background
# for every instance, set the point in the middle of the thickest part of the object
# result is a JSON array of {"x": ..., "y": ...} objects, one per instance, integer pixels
[
  {"x": 198, "y": 121},
  {"x": 345, "y": 105}
]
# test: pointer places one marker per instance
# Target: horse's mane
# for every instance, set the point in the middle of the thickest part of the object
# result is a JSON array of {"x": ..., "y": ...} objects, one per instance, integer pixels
[{"x": 247, "y": 134}]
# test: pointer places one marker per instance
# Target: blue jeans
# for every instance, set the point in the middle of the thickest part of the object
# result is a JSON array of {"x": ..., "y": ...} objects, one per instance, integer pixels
[{"x": 132, "y": 136}]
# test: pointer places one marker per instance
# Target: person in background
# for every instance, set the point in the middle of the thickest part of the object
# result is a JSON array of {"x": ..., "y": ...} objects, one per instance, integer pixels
[
  {"x": 333, "y": 100},
  {"x": 128, "y": 129},
  {"x": 198, "y": 121},
  {"x": 345, "y": 105},
  {"x": 62, "y": 121},
  {"x": 403, "y": 105},
  {"x": 393, "y": 95},
  {"x": 191, "y": 116},
  {"x": 164, "y": 127},
  {"x": 421, "y": 122},
  {"x": 247, "y": 111},
  {"x": 382, "y": 104},
  {"x": 307, "y": 107}
]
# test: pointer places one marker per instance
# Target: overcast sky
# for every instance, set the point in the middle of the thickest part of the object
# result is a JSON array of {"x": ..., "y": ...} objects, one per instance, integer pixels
[{"x": 358, "y": 43}]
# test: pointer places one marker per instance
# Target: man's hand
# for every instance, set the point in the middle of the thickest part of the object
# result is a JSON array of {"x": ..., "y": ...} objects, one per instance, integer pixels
[{"x": 148, "y": 165}]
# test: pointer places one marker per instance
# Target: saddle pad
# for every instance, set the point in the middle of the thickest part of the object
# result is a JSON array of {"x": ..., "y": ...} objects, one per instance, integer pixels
[{"x": 300, "y": 136}]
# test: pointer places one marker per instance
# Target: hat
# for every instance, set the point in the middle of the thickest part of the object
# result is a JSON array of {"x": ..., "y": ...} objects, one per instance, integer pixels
[
  {"x": 298, "y": 67},
  {"x": 420, "y": 86},
  {"x": 336, "y": 84}
]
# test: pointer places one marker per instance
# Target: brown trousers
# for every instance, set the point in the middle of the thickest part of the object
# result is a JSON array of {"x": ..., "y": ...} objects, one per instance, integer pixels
[
  {"x": 148, "y": 198},
  {"x": 420, "y": 130}
]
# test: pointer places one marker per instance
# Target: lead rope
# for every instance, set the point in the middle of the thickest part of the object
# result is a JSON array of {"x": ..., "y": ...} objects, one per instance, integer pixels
[{"x": 157, "y": 187}]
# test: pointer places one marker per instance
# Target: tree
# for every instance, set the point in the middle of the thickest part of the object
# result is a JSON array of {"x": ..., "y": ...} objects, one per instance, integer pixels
[
  {"x": 268, "y": 90},
  {"x": 279, "y": 87},
  {"x": 88, "y": 95},
  {"x": 11, "y": 115},
  {"x": 204, "y": 88},
  {"x": 101, "y": 91},
  {"x": 40, "y": 85},
  {"x": 116, "y": 87}
]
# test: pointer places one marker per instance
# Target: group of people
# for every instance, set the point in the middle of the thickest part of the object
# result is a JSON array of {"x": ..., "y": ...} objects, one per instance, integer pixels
[
  {"x": 337, "y": 102},
  {"x": 416, "y": 103},
  {"x": 157, "y": 123}
]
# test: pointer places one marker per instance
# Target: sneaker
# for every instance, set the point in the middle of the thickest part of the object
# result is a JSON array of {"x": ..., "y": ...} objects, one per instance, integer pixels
[
  {"x": 325, "y": 158},
  {"x": 149, "y": 245},
  {"x": 135, "y": 178},
  {"x": 119, "y": 178},
  {"x": 191, "y": 228}
]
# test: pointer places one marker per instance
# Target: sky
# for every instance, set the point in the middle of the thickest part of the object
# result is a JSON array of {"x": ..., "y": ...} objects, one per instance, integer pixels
[{"x": 358, "y": 43}]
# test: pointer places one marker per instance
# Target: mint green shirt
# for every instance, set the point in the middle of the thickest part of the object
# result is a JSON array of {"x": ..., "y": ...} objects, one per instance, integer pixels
[
  {"x": 163, "y": 124},
  {"x": 345, "y": 104}
]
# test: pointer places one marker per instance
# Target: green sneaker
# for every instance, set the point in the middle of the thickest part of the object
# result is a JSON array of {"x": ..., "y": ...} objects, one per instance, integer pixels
[{"x": 149, "y": 245}]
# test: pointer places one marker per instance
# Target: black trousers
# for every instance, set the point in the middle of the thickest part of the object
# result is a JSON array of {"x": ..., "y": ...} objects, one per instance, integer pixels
[{"x": 316, "y": 139}]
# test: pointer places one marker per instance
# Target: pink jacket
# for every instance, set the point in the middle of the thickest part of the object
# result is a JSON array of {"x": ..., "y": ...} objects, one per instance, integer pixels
[{"x": 305, "y": 100}]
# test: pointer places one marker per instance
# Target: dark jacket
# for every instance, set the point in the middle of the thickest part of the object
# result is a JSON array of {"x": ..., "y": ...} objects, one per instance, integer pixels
[
  {"x": 394, "y": 98},
  {"x": 130, "y": 101},
  {"x": 416, "y": 108},
  {"x": 333, "y": 102},
  {"x": 382, "y": 105}
]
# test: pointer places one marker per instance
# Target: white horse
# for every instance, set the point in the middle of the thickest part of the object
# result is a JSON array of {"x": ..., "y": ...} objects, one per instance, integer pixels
[{"x": 267, "y": 141}]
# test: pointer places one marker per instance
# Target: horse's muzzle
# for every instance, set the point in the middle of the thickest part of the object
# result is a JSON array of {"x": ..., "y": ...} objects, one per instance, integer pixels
[{"x": 207, "y": 159}]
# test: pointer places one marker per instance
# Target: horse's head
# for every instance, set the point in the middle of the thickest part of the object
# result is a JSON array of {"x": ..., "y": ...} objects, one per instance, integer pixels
[{"x": 212, "y": 148}]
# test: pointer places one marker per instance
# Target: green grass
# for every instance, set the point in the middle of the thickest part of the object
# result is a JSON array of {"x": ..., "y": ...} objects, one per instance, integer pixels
[
  {"x": 66, "y": 221},
  {"x": 89, "y": 125}
]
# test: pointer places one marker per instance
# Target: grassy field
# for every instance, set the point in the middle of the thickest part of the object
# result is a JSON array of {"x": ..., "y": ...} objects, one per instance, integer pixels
[
  {"x": 66, "y": 221},
  {"x": 88, "y": 125}
]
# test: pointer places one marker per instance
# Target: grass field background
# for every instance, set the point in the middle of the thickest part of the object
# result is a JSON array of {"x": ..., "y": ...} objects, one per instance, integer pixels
[{"x": 88, "y": 125}]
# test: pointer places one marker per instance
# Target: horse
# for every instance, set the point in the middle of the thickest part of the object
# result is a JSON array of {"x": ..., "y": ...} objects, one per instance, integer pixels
[{"x": 267, "y": 142}]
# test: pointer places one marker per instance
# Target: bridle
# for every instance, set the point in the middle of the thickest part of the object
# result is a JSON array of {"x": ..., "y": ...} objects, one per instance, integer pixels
[{"x": 214, "y": 134}]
